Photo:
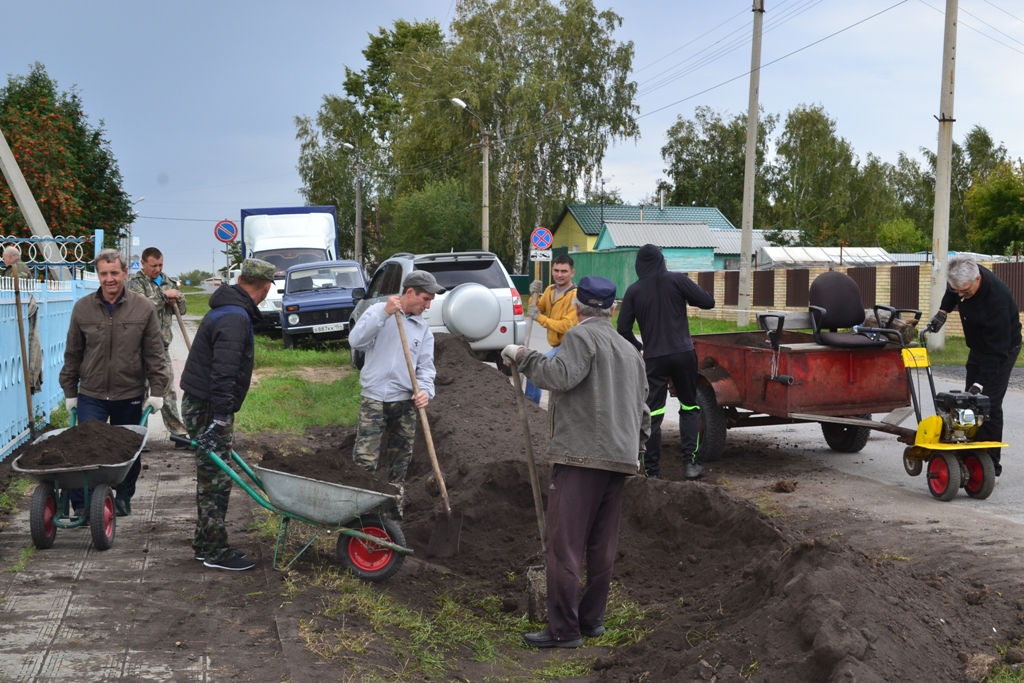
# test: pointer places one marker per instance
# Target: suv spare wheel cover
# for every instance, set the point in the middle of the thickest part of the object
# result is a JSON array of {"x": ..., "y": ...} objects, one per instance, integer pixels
[{"x": 471, "y": 310}]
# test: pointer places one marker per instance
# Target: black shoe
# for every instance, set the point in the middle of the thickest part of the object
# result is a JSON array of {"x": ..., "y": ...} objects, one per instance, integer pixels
[
  {"x": 543, "y": 639},
  {"x": 595, "y": 632},
  {"x": 200, "y": 557},
  {"x": 693, "y": 470},
  {"x": 231, "y": 563},
  {"x": 123, "y": 507}
]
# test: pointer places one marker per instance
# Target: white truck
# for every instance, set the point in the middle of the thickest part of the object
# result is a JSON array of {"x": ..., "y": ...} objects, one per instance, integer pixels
[{"x": 288, "y": 236}]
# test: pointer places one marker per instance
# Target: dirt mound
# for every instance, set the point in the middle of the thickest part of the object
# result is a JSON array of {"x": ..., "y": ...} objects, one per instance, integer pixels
[
  {"x": 90, "y": 443},
  {"x": 330, "y": 463}
]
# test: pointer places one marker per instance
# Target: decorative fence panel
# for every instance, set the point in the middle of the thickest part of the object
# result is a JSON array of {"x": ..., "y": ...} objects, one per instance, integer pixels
[
  {"x": 865, "y": 279},
  {"x": 764, "y": 288},
  {"x": 706, "y": 281},
  {"x": 904, "y": 286},
  {"x": 797, "y": 288},
  {"x": 732, "y": 287},
  {"x": 1013, "y": 275}
]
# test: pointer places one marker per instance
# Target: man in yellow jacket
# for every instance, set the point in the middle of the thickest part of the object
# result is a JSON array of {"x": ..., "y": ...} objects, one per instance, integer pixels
[{"x": 554, "y": 311}]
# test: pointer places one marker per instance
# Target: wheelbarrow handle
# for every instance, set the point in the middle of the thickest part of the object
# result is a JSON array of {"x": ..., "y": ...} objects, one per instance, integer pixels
[{"x": 183, "y": 440}]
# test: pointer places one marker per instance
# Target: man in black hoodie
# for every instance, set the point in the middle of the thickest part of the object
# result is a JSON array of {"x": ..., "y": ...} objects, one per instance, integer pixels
[
  {"x": 657, "y": 302},
  {"x": 991, "y": 327},
  {"x": 214, "y": 385}
]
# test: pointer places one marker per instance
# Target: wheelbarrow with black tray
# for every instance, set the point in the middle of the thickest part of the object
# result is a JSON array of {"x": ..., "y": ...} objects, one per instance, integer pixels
[
  {"x": 370, "y": 544},
  {"x": 51, "y": 508}
]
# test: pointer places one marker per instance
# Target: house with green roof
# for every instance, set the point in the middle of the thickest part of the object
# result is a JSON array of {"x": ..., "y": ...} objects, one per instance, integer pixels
[{"x": 579, "y": 226}]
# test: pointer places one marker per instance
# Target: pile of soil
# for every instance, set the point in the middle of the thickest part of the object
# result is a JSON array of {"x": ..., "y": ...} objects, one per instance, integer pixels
[
  {"x": 328, "y": 463},
  {"x": 91, "y": 443}
]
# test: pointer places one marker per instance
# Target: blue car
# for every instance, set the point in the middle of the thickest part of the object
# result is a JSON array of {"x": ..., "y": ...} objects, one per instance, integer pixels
[{"x": 318, "y": 299}]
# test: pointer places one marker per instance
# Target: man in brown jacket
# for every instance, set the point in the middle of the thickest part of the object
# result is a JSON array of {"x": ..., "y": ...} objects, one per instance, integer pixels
[{"x": 114, "y": 346}]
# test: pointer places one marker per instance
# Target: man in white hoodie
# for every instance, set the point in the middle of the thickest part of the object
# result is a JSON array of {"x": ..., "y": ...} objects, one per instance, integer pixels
[{"x": 388, "y": 403}]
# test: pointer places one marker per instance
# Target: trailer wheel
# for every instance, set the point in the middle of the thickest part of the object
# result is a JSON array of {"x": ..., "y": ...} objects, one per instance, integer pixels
[
  {"x": 912, "y": 466},
  {"x": 367, "y": 560},
  {"x": 846, "y": 438},
  {"x": 944, "y": 476},
  {"x": 43, "y": 517},
  {"x": 102, "y": 517},
  {"x": 981, "y": 474},
  {"x": 711, "y": 427}
]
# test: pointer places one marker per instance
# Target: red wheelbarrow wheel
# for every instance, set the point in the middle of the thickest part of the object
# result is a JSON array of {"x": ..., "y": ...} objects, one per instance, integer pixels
[
  {"x": 944, "y": 475},
  {"x": 981, "y": 474},
  {"x": 102, "y": 517},
  {"x": 43, "y": 517},
  {"x": 366, "y": 559}
]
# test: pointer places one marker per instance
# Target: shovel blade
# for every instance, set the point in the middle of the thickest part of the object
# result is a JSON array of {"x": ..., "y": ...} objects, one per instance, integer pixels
[
  {"x": 444, "y": 540},
  {"x": 537, "y": 587}
]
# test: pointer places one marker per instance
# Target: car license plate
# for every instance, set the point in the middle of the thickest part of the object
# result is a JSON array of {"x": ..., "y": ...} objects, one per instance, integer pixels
[{"x": 333, "y": 327}]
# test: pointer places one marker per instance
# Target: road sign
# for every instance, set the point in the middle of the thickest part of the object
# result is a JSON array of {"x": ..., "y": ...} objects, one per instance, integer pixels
[
  {"x": 540, "y": 255},
  {"x": 225, "y": 231},
  {"x": 541, "y": 238},
  {"x": 136, "y": 266}
]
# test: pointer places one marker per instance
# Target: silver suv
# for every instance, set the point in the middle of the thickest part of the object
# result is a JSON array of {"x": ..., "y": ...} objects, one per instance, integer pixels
[{"x": 480, "y": 303}]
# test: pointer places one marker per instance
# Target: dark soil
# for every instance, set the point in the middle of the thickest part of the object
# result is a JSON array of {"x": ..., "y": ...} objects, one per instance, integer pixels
[
  {"x": 330, "y": 463},
  {"x": 90, "y": 443}
]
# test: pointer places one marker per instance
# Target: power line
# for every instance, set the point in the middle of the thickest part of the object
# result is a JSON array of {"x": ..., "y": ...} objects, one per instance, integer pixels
[
  {"x": 779, "y": 59},
  {"x": 1004, "y": 11},
  {"x": 978, "y": 31},
  {"x": 712, "y": 30}
]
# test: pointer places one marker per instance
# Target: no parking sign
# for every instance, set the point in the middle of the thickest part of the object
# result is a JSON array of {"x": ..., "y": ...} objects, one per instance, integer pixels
[{"x": 225, "y": 231}]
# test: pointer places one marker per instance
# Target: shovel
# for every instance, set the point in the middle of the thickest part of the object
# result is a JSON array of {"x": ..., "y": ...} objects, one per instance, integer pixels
[
  {"x": 444, "y": 541},
  {"x": 536, "y": 577},
  {"x": 181, "y": 324},
  {"x": 24, "y": 353}
]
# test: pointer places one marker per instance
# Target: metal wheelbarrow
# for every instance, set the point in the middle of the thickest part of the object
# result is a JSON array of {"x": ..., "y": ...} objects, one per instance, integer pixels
[
  {"x": 50, "y": 507},
  {"x": 369, "y": 544}
]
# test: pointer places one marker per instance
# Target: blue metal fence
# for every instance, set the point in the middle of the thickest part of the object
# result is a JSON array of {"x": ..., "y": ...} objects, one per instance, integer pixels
[{"x": 55, "y": 301}]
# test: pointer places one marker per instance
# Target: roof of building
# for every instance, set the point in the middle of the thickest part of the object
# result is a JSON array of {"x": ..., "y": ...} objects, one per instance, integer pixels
[
  {"x": 821, "y": 257},
  {"x": 589, "y": 215},
  {"x": 665, "y": 234}
]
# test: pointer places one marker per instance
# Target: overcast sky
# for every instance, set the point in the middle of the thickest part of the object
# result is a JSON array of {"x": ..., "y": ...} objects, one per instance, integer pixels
[{"x": 198, "y": 98}]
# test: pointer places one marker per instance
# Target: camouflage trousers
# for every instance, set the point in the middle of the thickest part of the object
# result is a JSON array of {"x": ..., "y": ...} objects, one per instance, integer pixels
[
  {"x": 213, "y": 485},
  {"x": 169, "y": 413},
  {"x": 398, "y": 419}
]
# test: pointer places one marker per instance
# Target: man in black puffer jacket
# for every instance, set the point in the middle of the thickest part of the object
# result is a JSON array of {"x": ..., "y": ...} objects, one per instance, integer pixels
[
  {"x": 657, "y": 301},
  {"x": 214, "y": 384}
]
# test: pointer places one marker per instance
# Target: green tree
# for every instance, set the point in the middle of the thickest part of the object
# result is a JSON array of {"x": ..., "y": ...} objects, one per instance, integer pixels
[
  {"x": 812, "y": 176},
  {"x": 901, "y": 236},
  {"x": 553, "y": 87},
  {"x": 66, "y": 161},
  {"x": 996, "y": 207},
  {"x": 194, "y": 277},
  {"x": 873, "y": 202},
  {"x": 437, "y": 217},
  {"x": 915, "y": 191},
  {"x": 706, "y": 162}
]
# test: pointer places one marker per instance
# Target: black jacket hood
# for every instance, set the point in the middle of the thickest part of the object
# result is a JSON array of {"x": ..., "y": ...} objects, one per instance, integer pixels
[
  {"x": 235, "y": 296},
  {"x": 649, "y": 261}
]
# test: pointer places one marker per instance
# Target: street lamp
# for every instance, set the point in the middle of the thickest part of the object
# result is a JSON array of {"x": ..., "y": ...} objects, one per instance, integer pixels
[
  {"x": 359, "y": 202},
  {"x": 485, "y": 214},
  {"x": 128, "y": 249}
]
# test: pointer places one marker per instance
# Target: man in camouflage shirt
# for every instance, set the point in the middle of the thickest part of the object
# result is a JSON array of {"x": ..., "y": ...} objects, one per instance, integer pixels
[{"x": 151, "y": 283}]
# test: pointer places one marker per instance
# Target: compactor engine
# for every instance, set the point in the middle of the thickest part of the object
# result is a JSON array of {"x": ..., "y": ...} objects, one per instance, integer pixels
[{"x": 962, "y": 413}]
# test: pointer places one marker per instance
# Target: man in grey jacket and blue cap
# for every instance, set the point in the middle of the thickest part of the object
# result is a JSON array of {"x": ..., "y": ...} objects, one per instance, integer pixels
[
  {"x": 599, "y": 424},
  {"x": 388, "y": 402}
]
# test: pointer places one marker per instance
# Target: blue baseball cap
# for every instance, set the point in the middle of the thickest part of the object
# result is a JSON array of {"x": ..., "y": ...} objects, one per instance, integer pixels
[{"x": 596, "y": 291}]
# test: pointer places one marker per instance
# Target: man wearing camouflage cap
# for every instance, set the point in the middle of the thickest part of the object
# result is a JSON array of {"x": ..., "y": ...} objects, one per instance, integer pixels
[
  {"x": 214, "y": 384},
  {"x": 163, "y": 292}
]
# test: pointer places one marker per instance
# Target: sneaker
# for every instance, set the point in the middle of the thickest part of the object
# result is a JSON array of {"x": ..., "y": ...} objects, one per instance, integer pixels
[
  {"x": 543, "y": 639},
  {"x": 200, "y": 557},
  {"x": 123, "y": 507},
  {"x": 232, "y": 564},
  {"x": 693, "y": 470},
  {"x": 595, "y": 632}
]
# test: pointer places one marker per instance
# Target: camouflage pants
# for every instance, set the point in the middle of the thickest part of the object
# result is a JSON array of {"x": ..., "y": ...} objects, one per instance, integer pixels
[
  {"x": 398, "y": 419},
  {"x": 170, "y": 414},
  {"x": 213, "y": 485}
]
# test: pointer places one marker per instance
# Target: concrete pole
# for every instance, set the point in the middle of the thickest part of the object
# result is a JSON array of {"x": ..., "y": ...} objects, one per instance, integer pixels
[
  {"x": 747, "y": 238},
  {"x": 26, "y": 202},
  {"x": 359, "y": 211},
  {"x": 485, "y": 214},
  {"x": 943, "y": 171}
]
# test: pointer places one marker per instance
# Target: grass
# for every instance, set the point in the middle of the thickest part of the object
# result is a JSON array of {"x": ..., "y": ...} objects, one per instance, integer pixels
[
  {"x": 291, "y": 404},
  {"x": 9, "y": 498},
  {"x": 198, "y": 304},
  {"x": 270, "y": 353},
  {"x": 24, "y": 555}
]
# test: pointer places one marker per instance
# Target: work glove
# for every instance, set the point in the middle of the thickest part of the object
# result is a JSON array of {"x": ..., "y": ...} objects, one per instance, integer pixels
[
  {"x": 536, "y": 287},
  {"x": 510, "y": 354},
  {"x": 533, "y": 311},
  {"x": 71, "y": 403},
  {"x": 154, "y": 402},
  {"x": 209, "y": 439},
  {"x": 975, "y": 389},
  {"x": 937, "y": 322}
]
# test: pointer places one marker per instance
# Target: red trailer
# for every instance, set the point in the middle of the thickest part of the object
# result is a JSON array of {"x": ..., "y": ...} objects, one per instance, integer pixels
[{"x": 745, "y": 382}]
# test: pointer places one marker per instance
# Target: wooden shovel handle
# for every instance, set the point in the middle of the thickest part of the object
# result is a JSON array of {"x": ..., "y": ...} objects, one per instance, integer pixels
[
  {"x": 538, "y": 503},
  {"x": 181, "y": 324},
  {"x": 24, "y": 354},
  {"x": 423, "y": 414}
]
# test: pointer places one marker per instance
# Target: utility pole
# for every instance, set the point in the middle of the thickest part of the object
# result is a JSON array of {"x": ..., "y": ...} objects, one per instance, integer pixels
[
  {"x": 485, "y": 215},
  {"x": 943, "y": 171},
  {"x": 359, "y": 210},
  {"x": 747, "y": 238}
]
